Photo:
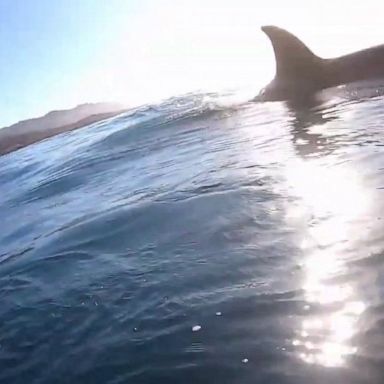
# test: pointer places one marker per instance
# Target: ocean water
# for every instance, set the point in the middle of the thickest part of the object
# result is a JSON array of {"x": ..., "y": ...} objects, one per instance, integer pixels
[{"x": 201, "y": 240}]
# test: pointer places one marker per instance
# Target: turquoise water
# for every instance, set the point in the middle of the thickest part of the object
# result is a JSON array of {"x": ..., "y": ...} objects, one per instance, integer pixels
[{"x": 198, "y": 241}]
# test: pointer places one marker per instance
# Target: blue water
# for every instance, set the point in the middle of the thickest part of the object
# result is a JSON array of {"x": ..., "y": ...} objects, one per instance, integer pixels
[{"x": 201, "y": 240}]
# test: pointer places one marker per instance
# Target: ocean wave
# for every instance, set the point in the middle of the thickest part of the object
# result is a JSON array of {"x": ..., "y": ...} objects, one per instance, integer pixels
[{"x": 201, "y": 238}]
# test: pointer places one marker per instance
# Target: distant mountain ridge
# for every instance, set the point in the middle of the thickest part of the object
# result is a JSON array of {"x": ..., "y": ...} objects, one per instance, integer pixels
[{"x": 29, "y": 131}]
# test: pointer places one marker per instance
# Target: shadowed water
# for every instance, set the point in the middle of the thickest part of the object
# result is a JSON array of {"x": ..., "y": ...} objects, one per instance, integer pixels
[{"x": 192, "y": 242}]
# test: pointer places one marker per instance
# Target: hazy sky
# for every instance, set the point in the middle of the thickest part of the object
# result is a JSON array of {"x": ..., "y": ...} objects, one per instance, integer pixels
[{"x": 59, "y": 53}]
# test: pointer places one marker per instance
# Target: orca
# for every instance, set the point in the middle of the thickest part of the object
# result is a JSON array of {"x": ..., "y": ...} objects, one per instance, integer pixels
[{"x": 300, "y": 73}]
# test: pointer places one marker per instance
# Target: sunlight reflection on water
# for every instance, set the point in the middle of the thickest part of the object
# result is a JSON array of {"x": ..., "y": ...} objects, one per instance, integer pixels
[{"x": 334, "y": 199}]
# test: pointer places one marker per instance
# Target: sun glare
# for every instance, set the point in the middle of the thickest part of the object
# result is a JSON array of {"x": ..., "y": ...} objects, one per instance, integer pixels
[
  {"x": 147, "y": 50},
  {"x": 175, "y": 47}
]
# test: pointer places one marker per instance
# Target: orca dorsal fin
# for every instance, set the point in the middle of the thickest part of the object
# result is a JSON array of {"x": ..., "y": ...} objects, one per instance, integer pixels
[{"x": 294, "y": 60}]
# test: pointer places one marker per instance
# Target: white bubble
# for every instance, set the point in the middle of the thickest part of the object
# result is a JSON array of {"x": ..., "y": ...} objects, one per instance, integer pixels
[
  {"x": 245, "y": 361},
  {"x": 218, "y": 313},
  {"x": 196, "y": 328}
]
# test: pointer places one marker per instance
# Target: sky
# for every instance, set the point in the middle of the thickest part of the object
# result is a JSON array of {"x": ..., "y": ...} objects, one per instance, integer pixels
[{"x": 56, "y": 54}]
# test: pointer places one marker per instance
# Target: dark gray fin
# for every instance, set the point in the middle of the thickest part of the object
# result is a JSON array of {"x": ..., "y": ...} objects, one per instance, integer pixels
[{"x": 294, "y": 60}]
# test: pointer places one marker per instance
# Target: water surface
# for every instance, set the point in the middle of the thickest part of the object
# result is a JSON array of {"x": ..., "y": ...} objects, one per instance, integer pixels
[{"x": 197, "y": 242}]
